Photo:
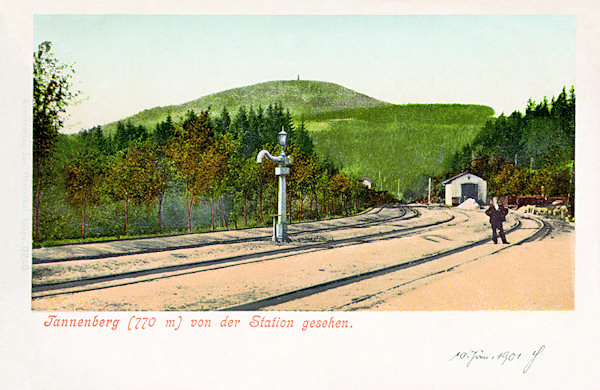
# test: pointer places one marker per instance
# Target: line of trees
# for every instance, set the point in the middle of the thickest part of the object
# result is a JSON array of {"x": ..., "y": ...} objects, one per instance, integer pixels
[
  {"x": 524, "y": 154},
  {"x": 543, "y": 136},
  {"x": 209, "y": 161},
  {"x": 202, "y": 159}
]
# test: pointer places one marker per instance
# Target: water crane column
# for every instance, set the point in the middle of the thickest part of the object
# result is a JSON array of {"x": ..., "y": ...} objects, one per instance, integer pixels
[{"x": 280, "y": 233}]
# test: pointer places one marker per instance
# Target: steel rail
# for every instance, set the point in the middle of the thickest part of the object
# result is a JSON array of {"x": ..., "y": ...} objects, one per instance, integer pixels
[
  {"x": 292, "y": 234},
  {"x": 543, "y": 230},
  {"x": 282, "y": 251},
  {"x": 332, "y": 284}
]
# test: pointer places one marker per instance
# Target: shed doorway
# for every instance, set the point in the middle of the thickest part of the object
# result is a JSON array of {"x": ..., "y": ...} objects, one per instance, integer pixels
[{"x": 468, "y": 190}]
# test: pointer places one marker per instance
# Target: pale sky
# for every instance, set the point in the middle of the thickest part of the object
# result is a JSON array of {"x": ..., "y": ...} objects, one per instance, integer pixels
[{"x": 127, "y": 63}]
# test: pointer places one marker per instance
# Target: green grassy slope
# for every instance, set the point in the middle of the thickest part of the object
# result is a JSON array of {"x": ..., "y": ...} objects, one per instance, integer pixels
[
  {"x": 398, "y": 142},
  {"x": 304, "y": 97}
]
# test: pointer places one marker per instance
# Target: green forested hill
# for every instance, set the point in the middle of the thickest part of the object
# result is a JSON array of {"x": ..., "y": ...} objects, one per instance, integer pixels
[
  {"x": 303, "y": 97},
  {"x": 361, "y": 135}
]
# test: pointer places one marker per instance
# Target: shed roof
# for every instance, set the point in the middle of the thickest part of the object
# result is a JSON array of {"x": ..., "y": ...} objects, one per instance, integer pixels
[{"x": 457, "y": 176}]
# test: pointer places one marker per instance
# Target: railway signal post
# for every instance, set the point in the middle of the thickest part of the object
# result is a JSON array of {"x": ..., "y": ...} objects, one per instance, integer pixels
[{"x": 280, "y": 231}]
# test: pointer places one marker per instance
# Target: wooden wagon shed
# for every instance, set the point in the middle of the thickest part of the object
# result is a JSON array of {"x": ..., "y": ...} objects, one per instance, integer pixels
[{"x": 464, "y": 186}]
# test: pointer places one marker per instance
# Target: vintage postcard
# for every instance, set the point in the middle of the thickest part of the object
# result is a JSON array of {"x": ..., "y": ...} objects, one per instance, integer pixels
[
  {"x": 301, "y": 188},
  {"x": 378, "y": 190}
]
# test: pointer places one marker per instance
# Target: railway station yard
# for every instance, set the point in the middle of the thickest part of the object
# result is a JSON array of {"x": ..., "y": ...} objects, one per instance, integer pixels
[{"x": 450, "y": 264}]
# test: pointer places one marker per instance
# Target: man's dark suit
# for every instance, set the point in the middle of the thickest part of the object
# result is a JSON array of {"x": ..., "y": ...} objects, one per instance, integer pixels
[{"x": 496, "y": 219}]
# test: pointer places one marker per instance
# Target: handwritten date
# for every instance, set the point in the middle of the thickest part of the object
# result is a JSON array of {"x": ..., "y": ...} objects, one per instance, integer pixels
[{"x": 501, "y": 358}]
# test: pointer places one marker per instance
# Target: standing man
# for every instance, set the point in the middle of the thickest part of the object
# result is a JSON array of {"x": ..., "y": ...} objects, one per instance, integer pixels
[{"x": 497, "y": 214}]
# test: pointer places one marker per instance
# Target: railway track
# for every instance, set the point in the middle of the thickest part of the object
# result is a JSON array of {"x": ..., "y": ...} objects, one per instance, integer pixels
[
  {"x": 266, "y": 255},
  {"x": 333, "y": 284},
  {"x": 543, "y": 229},
  {"x": 539, "y": 231},
  {"x": 162, "y": 244}
]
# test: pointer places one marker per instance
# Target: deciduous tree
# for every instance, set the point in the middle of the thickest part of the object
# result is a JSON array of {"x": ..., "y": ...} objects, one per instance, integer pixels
[
  {"x": 187, "y": 152},
  {"x": 52, "y": 93},
  {"x": 134, "y": 176},
  {"x": 82, "y": 175}
]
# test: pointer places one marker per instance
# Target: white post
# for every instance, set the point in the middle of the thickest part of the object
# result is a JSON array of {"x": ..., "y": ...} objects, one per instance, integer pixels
[
  {"x": 429, "y": 193},
  {"x": 281, "y": 228}
]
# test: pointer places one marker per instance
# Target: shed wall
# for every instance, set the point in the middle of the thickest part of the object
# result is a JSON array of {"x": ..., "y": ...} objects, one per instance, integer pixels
[{"x": 453, "y": 189}]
